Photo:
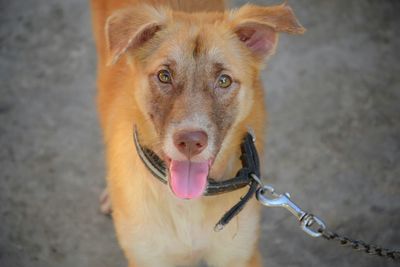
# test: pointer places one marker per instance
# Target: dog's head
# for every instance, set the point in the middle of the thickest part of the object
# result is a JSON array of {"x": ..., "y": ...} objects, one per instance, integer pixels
[{"x": 195, "y": 78}]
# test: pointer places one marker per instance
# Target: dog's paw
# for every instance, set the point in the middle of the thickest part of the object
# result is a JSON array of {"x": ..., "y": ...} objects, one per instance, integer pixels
[{"x": 105, "y": 203}]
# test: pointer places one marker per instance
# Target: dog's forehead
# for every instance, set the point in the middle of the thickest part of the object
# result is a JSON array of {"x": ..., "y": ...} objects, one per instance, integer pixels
[{"x": 202, "y": 46}]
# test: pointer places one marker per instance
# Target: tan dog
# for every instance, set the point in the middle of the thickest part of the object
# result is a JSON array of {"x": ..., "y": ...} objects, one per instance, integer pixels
[{"x": 186, "y": 75}]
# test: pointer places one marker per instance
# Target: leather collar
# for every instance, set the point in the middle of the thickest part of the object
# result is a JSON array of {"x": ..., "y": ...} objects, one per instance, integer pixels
[{"x": 244, "y": 176}]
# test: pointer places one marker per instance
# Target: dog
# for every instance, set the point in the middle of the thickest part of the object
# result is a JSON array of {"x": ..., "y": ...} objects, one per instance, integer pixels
[{"x": 185, "y": 77}]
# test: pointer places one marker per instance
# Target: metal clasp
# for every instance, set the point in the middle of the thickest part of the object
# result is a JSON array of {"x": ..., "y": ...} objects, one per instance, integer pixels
[{"x": 310, "y": 224}]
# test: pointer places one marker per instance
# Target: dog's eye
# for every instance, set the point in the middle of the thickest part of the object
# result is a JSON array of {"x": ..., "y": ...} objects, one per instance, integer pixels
[
  {"x": 224, "y": 81},
  {"x": 164, "y": 76}
]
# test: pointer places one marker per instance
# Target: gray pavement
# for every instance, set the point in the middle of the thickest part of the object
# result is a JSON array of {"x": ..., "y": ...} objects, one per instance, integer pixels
[{"x": 333, "y": 141}]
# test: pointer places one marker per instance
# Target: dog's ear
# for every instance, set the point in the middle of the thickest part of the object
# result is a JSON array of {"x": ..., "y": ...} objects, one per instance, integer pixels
[
  {"x": 131, "y": 28},
  {"x": 258, "y": 27}
]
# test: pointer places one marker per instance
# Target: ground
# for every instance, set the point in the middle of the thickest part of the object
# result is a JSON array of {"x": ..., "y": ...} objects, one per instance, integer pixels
[{"x": 333, "y": 97}]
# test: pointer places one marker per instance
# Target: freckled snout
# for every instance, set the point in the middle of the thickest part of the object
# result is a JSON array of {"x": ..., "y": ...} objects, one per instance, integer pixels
[{"x": 190, "y": 143}]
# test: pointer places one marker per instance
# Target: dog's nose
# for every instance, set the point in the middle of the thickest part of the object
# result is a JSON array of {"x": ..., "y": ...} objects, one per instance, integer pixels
[{"x": 190, "y": 143}]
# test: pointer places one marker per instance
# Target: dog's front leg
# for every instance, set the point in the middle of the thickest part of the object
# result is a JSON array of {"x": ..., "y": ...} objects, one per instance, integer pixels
[
  {"x": 255, "y": 260},
  {"x": 132, "y": 263}
]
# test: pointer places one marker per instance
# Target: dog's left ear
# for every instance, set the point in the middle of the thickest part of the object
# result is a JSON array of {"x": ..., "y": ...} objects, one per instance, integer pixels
[{"x": 258, "y": 27}]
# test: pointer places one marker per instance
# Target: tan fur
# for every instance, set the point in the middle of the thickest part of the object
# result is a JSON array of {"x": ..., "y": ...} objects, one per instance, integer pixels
[{"x": 154, "y": 228}]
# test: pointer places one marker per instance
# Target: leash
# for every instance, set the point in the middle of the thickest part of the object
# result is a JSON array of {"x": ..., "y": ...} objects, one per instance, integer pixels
[
  {"x": 315, "y": 227},
  {"x": 249, "y": 175}
]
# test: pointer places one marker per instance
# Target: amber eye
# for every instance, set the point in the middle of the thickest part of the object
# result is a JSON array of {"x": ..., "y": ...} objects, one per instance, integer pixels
[
  {"x": 164, "y": 76},
  {"x": 224, "y": 81}
]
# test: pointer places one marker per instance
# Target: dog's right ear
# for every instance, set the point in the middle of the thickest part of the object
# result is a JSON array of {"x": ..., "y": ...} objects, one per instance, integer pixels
[{"x": 131, "y": 28}]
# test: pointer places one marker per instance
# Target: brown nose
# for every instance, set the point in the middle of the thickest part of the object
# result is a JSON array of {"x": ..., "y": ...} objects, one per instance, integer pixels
[{"x": 190, "y": 143}]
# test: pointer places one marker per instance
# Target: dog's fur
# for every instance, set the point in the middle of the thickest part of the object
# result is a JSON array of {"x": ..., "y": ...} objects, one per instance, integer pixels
[{"x": 197, "y": 41}]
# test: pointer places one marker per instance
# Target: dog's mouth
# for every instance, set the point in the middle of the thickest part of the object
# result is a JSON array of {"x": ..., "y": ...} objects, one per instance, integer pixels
[{"x": 188, "y": 179}]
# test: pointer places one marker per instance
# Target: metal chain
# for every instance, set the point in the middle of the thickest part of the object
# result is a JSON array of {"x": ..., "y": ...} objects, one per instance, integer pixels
[
  {"x": 314, "y": 226},
  {"x": 361, "y": 245}
]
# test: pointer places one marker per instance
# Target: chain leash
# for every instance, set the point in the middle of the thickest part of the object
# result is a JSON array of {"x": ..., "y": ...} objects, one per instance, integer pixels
[
  {"x": 361, "y": 245},
  {"x": 313, "y": 225}
]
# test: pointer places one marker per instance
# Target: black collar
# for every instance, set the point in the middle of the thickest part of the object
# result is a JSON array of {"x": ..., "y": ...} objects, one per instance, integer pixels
[{"x": 250, "y": 166}]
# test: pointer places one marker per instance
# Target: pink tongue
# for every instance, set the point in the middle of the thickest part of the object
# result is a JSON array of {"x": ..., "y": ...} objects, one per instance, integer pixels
[{"x": 188, "y": 179}]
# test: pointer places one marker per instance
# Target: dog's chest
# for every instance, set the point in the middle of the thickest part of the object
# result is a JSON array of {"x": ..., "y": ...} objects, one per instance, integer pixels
[
  {"x": 176, "y": 232},
  {"x": 187, "y": 227}
]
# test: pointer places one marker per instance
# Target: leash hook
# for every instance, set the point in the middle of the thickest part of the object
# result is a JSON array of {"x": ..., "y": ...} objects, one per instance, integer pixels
[{"x": 310, "y": 224}]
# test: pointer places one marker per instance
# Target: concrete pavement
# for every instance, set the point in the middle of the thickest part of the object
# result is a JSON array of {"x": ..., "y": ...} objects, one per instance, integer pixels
[{"x": 333, "y": 97}]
